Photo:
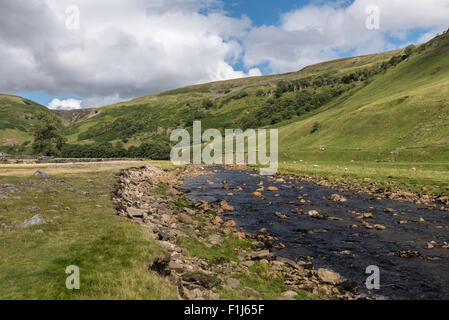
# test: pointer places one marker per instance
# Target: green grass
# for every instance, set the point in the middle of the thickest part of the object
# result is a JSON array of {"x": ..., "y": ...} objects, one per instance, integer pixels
[
  {"x": 260, "y": 277},
  {"x": 216, "y": 254},
  {"x": 112, "y": 253}
]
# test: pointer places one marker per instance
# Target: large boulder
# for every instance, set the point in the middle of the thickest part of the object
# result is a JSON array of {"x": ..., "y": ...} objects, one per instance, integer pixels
[
  {"x": 263, "y": 254},
  {"x": 226, "y": 206},
  {"x": 134, "y": 212},
  {"x": 33, "y": 221}
]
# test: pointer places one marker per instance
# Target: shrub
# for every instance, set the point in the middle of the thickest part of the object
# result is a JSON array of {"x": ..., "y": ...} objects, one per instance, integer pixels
[{"x": 316, "y": 127}]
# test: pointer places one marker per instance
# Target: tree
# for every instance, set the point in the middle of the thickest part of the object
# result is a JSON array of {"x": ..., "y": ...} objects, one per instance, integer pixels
[{"x": 48, "y": 139}]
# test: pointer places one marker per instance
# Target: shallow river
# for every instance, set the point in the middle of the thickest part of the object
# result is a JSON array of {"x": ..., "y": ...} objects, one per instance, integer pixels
[{"x": 334, "y": 244}]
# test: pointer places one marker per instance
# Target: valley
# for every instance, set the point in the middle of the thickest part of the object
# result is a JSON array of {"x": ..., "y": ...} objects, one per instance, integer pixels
[{"x": 372, "y": 130}]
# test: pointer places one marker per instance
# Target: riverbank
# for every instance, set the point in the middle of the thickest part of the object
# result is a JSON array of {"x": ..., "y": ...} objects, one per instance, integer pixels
[{"x": 419, "y": 183}]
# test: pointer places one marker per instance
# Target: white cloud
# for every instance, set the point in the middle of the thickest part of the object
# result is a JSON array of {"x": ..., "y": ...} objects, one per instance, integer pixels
[
  {"x": 321, "y": 32},
  {"x": 68, "y": 104},
  {"x": 123, "y": 49},
  {"x": 100, "y": 101}
]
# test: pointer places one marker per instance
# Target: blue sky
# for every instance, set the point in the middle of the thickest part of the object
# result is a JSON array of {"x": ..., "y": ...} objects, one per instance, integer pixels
[
  {"x": 263, "y": 12},
  {"x": 138, "y": 47}
]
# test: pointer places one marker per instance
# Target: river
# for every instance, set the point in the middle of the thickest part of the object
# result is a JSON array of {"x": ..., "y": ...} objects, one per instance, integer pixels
[{"x": 334, "y": 243}]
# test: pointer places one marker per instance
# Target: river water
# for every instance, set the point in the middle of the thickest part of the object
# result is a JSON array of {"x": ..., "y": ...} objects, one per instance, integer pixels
[{"x": 334, "y": 244}]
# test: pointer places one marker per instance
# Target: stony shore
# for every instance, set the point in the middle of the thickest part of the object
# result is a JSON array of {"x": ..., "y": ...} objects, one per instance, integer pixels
[
  {"x": 149, "y": 197},
  {"x": 439, "y": 202}
]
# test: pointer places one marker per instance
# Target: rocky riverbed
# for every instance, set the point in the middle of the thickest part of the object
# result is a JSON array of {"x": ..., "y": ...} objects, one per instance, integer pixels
[
  {"x": 154, "y": 199},
  {"x": 338, "y": 228}
]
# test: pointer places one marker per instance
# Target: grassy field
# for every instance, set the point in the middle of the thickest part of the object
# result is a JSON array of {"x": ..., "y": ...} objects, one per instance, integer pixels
[{"x": 82, "y": 229}]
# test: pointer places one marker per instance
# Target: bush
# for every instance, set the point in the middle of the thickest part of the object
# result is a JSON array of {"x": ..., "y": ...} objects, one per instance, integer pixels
[
  {"x": 207, "y": 104},
  {"x": 260, "y": 93},
  {"x": 316, "y": 127}
]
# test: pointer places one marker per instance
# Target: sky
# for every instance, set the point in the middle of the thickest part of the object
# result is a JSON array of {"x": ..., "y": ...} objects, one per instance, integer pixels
[{"x": 71, "y": 54}]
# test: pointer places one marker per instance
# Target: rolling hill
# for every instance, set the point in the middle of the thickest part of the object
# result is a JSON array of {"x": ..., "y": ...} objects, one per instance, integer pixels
[
  {"x": 16, "y": 119},
  {"x": 387, "y": 106},
  {"x": 402, "y": 114},
  {"x": 218, "y": 105}
]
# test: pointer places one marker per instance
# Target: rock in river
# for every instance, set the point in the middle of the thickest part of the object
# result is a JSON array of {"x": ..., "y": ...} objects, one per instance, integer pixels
[
  {"x": 328, "y": 276},
  {"x": 225, "y": 206}
]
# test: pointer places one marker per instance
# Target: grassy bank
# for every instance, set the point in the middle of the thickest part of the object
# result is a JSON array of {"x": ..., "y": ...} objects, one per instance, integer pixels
[
  {"x": 112, "y": 254},
  {"x": 427, "y": 178}
]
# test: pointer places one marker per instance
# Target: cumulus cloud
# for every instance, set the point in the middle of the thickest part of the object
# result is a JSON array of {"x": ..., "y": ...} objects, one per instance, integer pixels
[
  {"x": 100, "y": 101},
  {"x": 317, "y": 33},
  {"x": 67, "y": 104},
  {"x": 123, "y": 49}
]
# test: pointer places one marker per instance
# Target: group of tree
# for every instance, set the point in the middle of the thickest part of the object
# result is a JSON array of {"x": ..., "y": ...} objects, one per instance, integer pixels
[
  {"x": 47, "y": 133},
  {"x": 158, "y": 149},
  {"x": 135, "y": 120},
  {"x": 286, "y": 107},
  {"x": 49, "y": 141}
]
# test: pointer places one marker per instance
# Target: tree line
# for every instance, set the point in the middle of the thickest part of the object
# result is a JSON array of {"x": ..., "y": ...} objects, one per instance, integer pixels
[{"x": 49, "y": 141}]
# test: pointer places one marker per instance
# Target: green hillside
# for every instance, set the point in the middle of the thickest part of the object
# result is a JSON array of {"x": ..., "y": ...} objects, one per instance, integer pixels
[
  {"x": 16, "y": 119},
  {"x": 225, "y": 104},
  {"x": 401, "y": 115}
]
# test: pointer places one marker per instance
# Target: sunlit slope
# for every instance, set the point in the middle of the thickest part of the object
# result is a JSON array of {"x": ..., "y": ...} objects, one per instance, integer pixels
[
  {"x": 136, "y": 121},
  {"x": 401, "y": 114},
  {"x": 16, "y": 119}
]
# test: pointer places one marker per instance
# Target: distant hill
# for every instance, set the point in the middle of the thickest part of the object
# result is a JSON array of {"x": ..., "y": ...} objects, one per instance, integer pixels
[{"x": 218, "y": 104}]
